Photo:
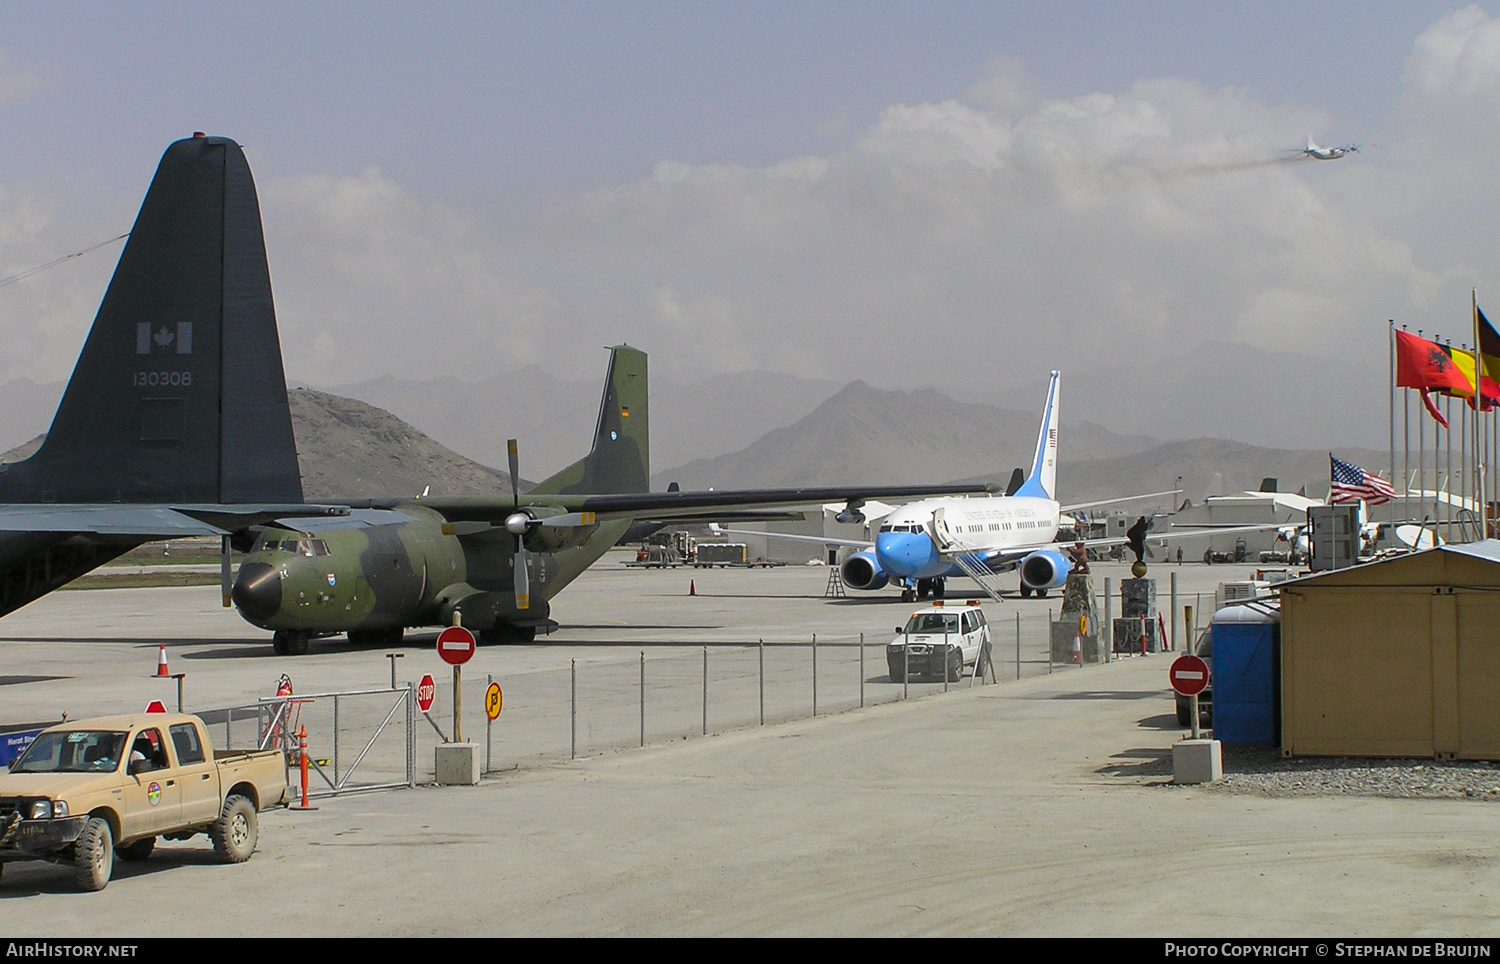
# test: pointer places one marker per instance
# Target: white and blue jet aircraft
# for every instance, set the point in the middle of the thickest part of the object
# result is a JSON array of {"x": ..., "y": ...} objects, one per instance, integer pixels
[{"x": 921, "y": 544}]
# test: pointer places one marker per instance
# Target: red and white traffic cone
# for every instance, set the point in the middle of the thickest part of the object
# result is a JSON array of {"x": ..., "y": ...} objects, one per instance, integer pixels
[
  {"x": 692, "y": 587},
  {"x": 1077, "y": 651},
  {"x": 161, "y": 661}
]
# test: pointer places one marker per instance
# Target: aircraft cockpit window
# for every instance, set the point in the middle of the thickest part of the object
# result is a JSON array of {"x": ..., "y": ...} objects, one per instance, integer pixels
[
  {"x": 886, "y": 529},
  {"x": 308, "y": 547}
]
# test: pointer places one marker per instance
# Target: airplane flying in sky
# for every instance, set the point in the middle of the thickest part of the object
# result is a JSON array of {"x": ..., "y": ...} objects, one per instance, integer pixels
[
  {"x": 175, "y": 421},
  {"x": 920, "y": 545},
  {"x": 1327, "y": 153},
  {"x": 494, "y": 562}
]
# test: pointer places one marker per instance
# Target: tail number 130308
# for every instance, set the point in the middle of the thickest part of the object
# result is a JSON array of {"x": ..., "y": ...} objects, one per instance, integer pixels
[{"x": 155, "y": 379}]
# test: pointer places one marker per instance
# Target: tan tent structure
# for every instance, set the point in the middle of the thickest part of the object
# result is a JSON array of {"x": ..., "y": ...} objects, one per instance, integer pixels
[{"x": 1395, "y": 658}]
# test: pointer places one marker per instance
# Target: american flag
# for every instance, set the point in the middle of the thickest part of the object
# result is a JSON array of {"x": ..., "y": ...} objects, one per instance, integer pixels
[{"x": 1350, "y": 483}]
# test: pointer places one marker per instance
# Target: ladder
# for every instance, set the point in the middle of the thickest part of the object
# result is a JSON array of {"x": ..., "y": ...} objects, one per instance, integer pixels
[
  {"x": 980, "y": 574},
  {"x": 835, "y": 584}
]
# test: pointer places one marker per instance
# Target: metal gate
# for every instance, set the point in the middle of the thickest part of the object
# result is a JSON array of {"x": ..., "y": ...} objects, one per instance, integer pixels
[{"x": 345, "y": 749}]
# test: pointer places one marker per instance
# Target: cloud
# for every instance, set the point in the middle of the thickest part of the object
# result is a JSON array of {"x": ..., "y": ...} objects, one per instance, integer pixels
[
  {"x": 966, "y": 243},
  {"x": 958, "y": 244},
  {"x": 1461, "y": 53},
  {"x": 19, "y": 82}
]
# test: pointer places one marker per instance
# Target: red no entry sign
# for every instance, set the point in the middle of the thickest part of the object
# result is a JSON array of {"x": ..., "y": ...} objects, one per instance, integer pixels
[
  {"x": 1189, "y": 675},
  {"x": 455, "y": 645},
  {"x": 426, "y": 693}
]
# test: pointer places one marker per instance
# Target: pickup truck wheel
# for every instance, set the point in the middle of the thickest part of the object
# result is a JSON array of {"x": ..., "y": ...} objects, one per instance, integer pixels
[
  {"x": 234, "y": 833},
  {"x": 955, "y": 666},
  {"x": 898, "y": 675},
  {"x": 93, "y": 855},
  {"x": 139, "y": 850}
]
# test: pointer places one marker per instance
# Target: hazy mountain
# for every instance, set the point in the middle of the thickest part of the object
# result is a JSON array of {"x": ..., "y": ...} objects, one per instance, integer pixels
[
  {"x": 1242, "y": 466},
  {"x": 1285, "y": 400},
  {"x": 26, "y": 409},
  {"x": 554, "y": 419},
  {"x": 349, "y": 449},
  {"x": 865, "y": 436}
]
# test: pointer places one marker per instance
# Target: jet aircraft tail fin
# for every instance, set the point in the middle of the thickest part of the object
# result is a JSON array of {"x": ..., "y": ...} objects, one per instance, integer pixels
[
  {"x": 1042, "y": 482},
  {"x": 179, "y": 393},
  {"x": 620, "y": 460}
]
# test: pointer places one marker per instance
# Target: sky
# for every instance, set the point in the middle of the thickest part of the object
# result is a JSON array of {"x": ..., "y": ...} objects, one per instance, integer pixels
[{"x": 953, "y": 195}]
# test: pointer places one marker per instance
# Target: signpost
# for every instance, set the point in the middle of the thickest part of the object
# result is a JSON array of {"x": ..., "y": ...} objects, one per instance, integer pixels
[
  {"x": 456, "y": 646},
  {"x": 493, "y": 700},
  {"x": 1189, "y": 676}
]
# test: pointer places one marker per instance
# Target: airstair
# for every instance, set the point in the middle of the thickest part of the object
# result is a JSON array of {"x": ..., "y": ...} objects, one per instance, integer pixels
[
  {"x": 965, "y": 557},
  {"x": 980, "y": 573}
]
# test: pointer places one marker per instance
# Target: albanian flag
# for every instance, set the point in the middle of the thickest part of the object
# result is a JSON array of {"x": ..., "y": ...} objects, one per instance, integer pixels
[{"x": 1427, "y": 366}]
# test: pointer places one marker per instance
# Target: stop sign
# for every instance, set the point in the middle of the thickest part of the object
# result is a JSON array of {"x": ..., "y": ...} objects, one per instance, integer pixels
[
  {"x": 1189, "y": 675},
  {"x": 455, "y": 645},
  {"x": 426, "y": 693}
]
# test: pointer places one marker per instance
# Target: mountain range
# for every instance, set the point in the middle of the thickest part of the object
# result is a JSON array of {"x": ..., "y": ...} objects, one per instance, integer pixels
[{"x": 764, "y": 430}]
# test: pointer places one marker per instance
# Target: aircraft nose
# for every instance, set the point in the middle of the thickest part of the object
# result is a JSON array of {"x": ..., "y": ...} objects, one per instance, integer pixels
[
  {"x": 900, "y": 552},
  {"x": 257, "y": 591}
]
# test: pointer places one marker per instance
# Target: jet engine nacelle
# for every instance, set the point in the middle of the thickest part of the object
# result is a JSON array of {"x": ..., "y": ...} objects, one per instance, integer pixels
[
  {"x": 862, "y": 571},
  {"x": 1045, "y": 569}
]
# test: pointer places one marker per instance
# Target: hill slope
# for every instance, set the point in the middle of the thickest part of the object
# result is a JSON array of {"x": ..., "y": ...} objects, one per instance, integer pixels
[{"x": 864, "y": 436}]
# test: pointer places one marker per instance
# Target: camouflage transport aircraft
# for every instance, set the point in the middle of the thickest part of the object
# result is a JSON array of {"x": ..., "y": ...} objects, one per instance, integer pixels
[
  {"x": 175, "y": 422},
  {"x": 495, "y": 562}
]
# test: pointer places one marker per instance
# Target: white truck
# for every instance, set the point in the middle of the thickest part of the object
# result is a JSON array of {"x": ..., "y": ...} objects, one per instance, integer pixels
[{"x": 940, "y": 639}]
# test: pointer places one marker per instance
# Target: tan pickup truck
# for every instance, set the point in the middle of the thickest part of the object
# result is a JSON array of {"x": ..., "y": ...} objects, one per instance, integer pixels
[{"x": 87, "y": 790}]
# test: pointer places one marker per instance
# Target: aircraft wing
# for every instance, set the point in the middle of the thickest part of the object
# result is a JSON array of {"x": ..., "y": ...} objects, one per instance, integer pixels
[
  {"x": 1011, "y": 554},
  {"x": 685, "y": 506},
  {"x": 820, "y": 540},
  {"x": 1127, "y": 498},
  {"x": 143, "y": 521}
]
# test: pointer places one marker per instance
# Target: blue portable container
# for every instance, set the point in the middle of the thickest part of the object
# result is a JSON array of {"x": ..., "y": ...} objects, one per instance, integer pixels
[{"x": 1247, "y": 673}]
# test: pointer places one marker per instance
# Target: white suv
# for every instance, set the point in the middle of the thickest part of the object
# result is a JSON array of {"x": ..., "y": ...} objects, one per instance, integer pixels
[{"x": 940, "y": 639}]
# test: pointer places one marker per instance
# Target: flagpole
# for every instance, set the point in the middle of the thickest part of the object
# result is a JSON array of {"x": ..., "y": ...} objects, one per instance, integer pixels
[
  {"x": 1390, "y": 338},
  {"x": 1478, "y": 402},
  {"x": 1422, "y": 459},
  {"x": 1447, "y": 489},
  {"x": 1463, "y": 455},
  {"x": 1406, "y": 451}
]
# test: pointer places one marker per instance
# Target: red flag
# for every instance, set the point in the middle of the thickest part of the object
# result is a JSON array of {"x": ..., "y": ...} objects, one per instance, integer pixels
[
  {"x": 1425, "y": 365},
  {"x": 1433, "y": 410}
]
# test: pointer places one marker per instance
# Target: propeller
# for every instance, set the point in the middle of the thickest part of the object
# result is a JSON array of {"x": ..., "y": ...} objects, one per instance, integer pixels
[
  {"x": 517, "y": 523},
  {"x": 226, "y": 574}
]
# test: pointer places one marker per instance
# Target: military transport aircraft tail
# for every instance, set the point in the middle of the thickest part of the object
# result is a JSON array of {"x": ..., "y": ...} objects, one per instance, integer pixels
[
  {"x": 620, "y": 461},
  {"x": 179, "y": 394}
]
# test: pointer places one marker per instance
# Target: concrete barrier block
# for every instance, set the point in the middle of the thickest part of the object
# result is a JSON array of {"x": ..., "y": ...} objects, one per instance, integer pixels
[
  {"x": 456, "y": 764},
  {"x": 1197, "y": 761}
]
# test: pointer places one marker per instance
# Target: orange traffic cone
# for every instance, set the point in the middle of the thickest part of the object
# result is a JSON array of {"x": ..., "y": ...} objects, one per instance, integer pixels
[
  {"x": 692, "y": 587},
  {"x": 161, "y": 661}
]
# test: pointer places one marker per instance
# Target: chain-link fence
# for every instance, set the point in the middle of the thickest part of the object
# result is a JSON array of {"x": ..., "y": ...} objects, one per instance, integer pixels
[{"x": 610, "y": 697}]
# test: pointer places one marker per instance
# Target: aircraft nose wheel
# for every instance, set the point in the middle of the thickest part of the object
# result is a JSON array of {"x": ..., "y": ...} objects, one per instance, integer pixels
[{"x": 290, "y": 642}]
